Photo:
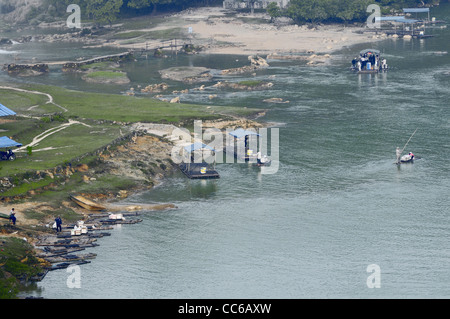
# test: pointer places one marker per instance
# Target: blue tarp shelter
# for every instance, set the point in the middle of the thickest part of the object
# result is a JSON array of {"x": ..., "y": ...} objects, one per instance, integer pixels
[
  {"x": 241, "y": 133},
  {"x": 369, "y": 51},
  {"x": 4, "y": 111},
  {"x": 417, "y": 10},
  {"x": 411, "y": 21},
  {"x": 6, "y": 142},
  {"x": 197, "y": 146},
  {"x": 401, "y": 19},
  {"x": 390, "y": 18},
  {"x": 198, "y": 170}
]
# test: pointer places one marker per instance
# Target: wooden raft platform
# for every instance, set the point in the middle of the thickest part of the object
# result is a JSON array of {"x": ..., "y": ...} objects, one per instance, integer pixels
[{"x": 199, "y": 171}]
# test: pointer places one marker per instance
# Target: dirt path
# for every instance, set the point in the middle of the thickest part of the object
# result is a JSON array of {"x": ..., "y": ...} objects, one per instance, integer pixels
[
  {"x": 49, "y": 132},
  {"x": 50, "y": 98}
]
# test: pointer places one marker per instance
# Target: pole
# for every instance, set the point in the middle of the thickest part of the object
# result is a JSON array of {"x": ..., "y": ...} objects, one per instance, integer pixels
[{"x": 398, "y": 159}]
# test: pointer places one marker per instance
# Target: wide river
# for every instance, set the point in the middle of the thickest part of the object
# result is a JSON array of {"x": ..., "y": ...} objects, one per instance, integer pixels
[{"x": 336, "y": 205}]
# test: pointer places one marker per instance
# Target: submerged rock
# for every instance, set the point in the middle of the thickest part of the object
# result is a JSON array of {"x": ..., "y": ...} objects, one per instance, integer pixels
[
  {"x": 275, "y": 100},
  {"x": 244, "y": 85}
]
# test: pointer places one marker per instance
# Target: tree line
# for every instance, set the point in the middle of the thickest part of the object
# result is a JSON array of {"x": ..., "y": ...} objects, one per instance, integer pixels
[
  {"x": 301, "y": 11},
  {"x": 314, "y": 11},
  {"x": 107, "y": 11}
]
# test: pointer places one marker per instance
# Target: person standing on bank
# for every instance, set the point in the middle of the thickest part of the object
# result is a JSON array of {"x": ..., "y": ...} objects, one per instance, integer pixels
[
  {"x": 12, "y": 216},
  {"x": 58, "y": 224}
]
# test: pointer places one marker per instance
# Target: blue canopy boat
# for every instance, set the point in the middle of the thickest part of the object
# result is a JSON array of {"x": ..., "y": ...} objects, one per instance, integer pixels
[{"x": 369, "y": 62}]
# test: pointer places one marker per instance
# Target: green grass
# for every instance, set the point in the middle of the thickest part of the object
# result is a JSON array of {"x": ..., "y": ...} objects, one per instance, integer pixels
[
  {"x": 129, "y": 35},
  {"x": 99, "y": 112},
  {"x": 21, "y": 102},
  {"x": 25, "y": 187},
  {"x": 68, "y": 143},
  {"x": 101, "y": 66},
  {"x": 16, "y": 262},
  {"x": 124, "y": 108}
]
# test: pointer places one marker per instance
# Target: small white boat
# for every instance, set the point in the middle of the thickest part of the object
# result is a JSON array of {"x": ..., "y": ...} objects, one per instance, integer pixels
[
  {"x": 407, "y": 158},
  {"x": 116, "y": 216}
]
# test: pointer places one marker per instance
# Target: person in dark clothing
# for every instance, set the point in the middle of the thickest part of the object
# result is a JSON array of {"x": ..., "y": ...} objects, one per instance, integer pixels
[
  {"x": 58, "y": 224},
  {"x": 372, "y": 59}
]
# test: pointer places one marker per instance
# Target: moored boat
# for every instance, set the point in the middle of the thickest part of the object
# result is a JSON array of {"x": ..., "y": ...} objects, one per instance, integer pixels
[{"x": 86, "y": 203}]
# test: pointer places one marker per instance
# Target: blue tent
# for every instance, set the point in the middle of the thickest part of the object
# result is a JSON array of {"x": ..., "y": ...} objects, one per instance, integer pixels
[
  {"x": 4, "y": 111},
  {"x": 6, "y": 142},
  {"x": 197, "y": 146},
  {"x": 241, "y": 133}
]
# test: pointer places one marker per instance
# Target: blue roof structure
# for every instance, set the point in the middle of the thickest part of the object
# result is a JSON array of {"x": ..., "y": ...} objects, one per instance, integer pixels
[
  {"x": 401, "y": 19},
  {"x": 416, "y": 10},
  {"x": 197, "y": 146},
  {"x": 407, "y": 21},
  {"x": 4, "y": 111},
  {"x": 7, "y": 142},
  {"x": 241, "y": 133},
  {"x": 390, "y": 18}
]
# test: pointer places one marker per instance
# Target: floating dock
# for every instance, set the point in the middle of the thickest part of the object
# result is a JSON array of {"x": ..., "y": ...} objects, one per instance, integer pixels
[{"x": 199, "y": 171}]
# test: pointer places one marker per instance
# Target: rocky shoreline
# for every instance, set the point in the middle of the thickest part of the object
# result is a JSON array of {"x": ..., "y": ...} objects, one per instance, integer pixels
[{"x": 143, "y": 156}]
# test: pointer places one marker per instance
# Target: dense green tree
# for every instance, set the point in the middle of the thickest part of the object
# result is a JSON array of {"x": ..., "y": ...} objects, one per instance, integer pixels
[
  {"x": 103, "y": 11},
  {"x": 308, "y": 10},
  {"x": 273, "y": 10},
  {"x": 301, "y": 11},
  {"x": 314, "y": 11}
]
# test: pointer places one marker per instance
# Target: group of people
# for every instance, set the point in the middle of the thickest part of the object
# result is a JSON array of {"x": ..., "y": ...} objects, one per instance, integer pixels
[
  {"x": 13, "y": 218},
  {"x": 376, "y": 63}
]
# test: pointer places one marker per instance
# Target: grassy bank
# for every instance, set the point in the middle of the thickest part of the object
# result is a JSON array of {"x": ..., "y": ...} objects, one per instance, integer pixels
[
  {"x": 68, "y": 129},
  {"x": 18, "y": 264},
  {"x": 114, "y": 107},
  {"x": 102, "y": 118}
]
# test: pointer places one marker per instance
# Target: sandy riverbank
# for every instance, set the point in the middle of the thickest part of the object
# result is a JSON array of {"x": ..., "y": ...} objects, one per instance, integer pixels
[{"x": 221, "y": 32}]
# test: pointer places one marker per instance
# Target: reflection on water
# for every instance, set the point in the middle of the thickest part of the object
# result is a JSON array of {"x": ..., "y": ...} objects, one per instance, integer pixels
[{"x": 337, "y": 204}]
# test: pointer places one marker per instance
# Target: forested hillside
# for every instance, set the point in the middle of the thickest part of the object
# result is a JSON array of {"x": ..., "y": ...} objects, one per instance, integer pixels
[{"x": 300, "y": 11}]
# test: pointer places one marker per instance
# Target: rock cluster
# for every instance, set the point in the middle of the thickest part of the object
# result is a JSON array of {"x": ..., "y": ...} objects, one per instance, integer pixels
[
  {"x": 27, "y": 69},
  {"x": 256, "y": 62},
  {"x": 155, "y": 88},
  {"x": 242, "y": 86}
]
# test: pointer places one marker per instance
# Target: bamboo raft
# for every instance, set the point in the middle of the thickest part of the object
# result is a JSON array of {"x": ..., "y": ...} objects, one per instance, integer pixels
[
  {"x": 70, "y": 258},
  {"x": 120, "y": 221},
  {"x": 61, "y": 250}
]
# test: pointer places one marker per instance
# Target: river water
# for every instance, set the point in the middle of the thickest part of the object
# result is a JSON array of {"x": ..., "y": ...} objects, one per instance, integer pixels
[{"x": 336, "y": 205}]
